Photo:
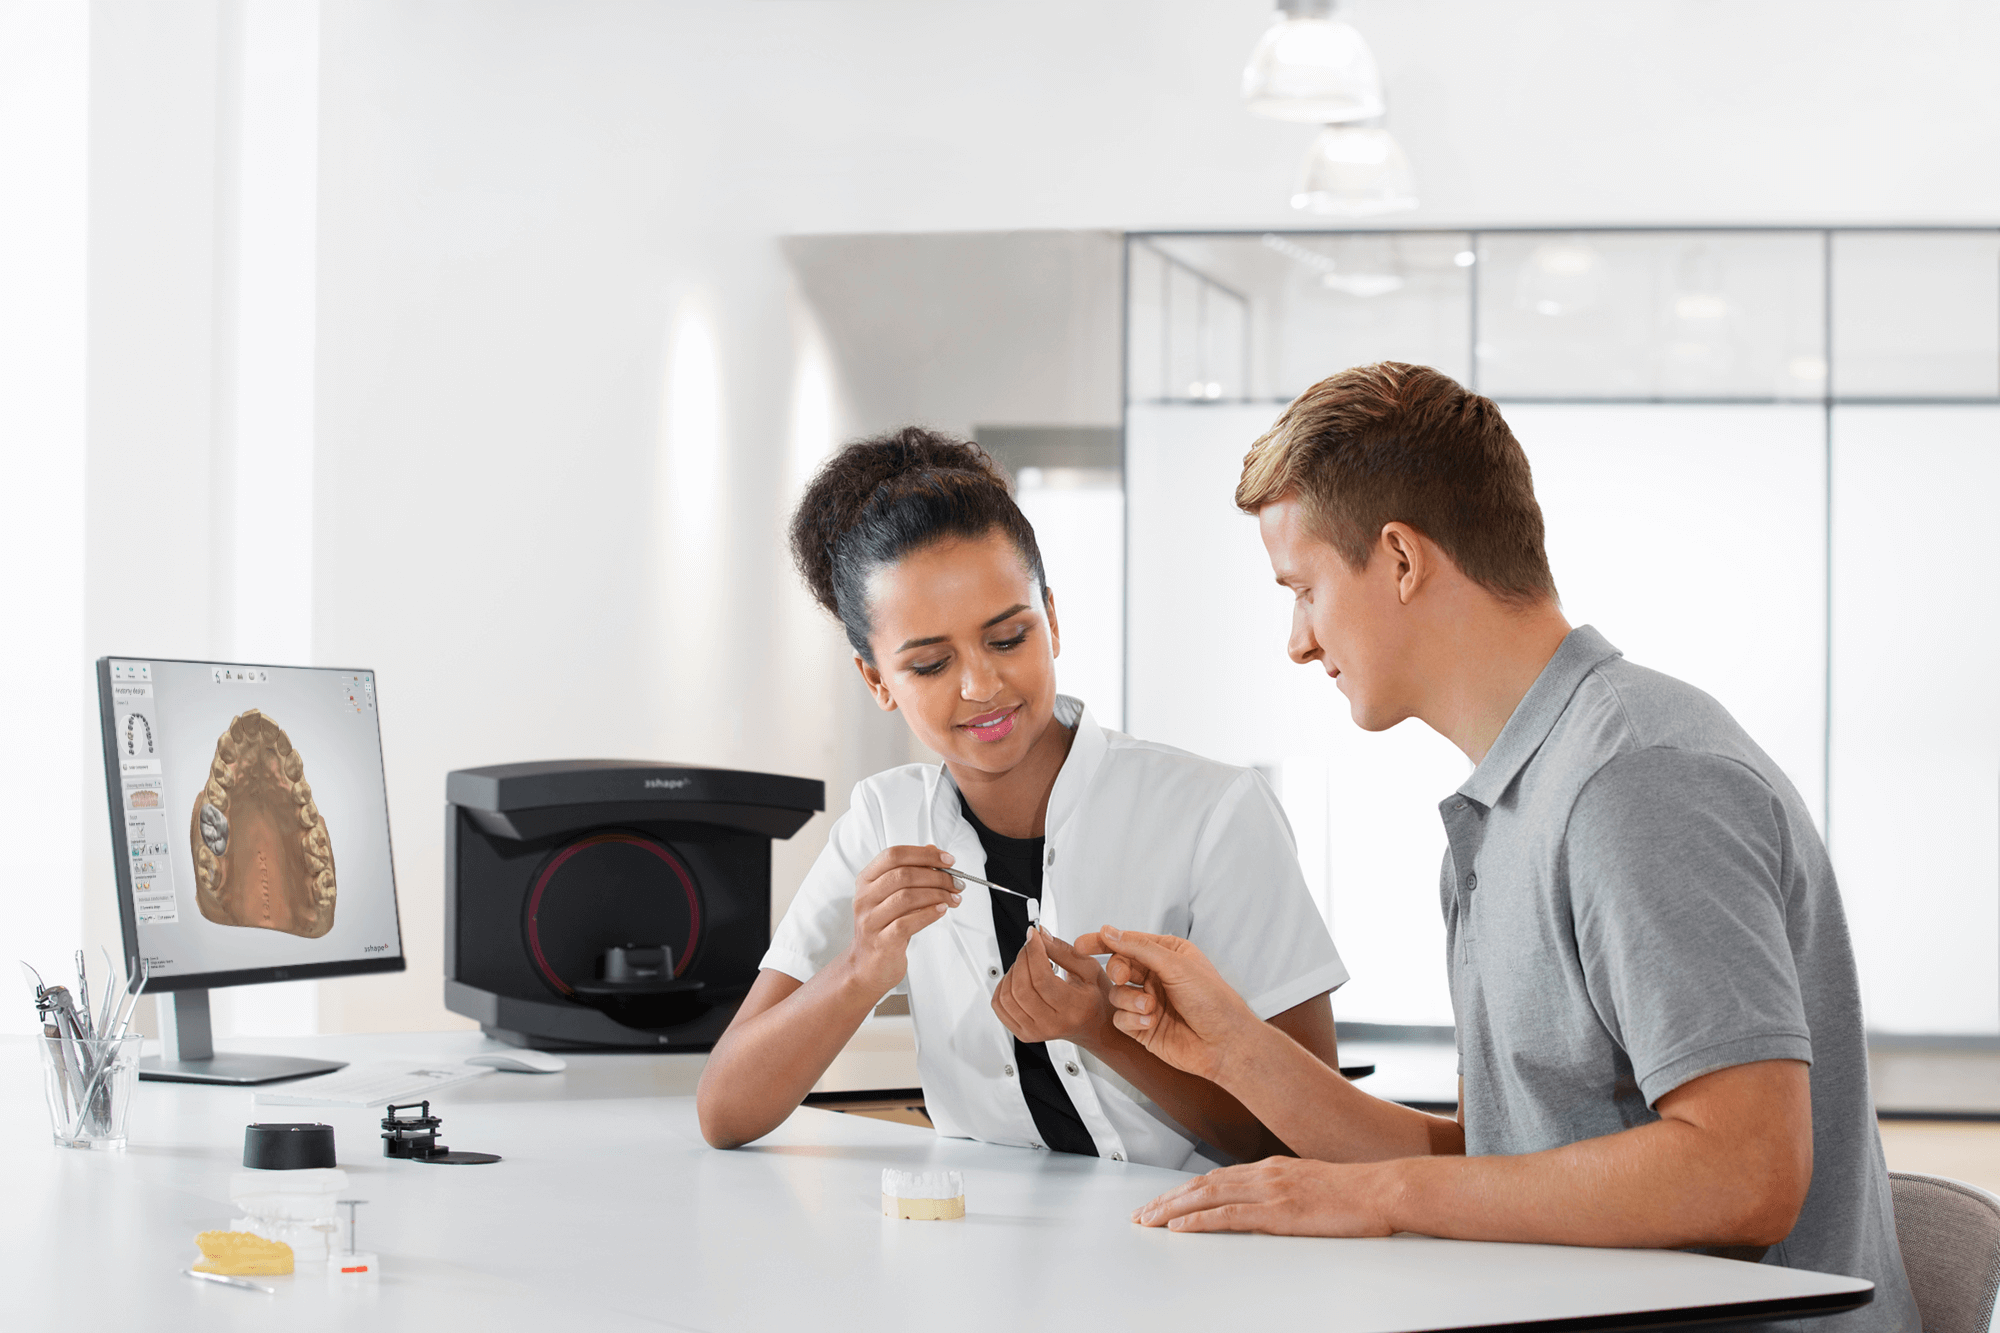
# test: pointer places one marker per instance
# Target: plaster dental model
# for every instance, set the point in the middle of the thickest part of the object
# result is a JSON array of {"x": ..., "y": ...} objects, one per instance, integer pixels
[{"x": 929, "y": 1196}]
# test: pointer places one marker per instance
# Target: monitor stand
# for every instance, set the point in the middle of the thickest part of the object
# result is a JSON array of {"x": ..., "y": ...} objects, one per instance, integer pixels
[{"x": 188, "y": 1043}]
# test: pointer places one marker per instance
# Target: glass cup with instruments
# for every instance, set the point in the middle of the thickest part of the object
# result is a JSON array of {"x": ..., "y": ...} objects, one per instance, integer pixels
[{"x": 90, "y": 1062}]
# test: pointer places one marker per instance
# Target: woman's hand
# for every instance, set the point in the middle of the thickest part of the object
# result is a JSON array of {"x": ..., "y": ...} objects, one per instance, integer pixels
[
  {"x": 1170, "y": 999},
  {"x": 1037, "y": 1005},
  {"x": 895, "y": 896}
]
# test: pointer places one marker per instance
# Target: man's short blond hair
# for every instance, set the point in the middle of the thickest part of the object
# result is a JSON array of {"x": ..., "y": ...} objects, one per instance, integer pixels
[{"x": 1399, "y": 443}]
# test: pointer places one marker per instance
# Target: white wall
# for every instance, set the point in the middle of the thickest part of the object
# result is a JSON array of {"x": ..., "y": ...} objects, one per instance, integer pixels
[
  {"x": 522, "y": 209},
  {"x": 1694, "y": 537},
  {"x": 971, "y": 328},
  {"x": 1916, "y": 729}
]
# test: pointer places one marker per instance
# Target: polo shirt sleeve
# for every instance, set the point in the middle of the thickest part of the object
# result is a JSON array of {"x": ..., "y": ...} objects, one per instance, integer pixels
[
  {"x": 1249, "y": 909},
  {"x": 1676, "y": 870},
  {"x": 819, "y": 924}
]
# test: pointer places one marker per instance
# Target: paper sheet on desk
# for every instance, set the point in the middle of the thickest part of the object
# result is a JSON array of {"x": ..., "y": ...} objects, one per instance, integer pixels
[{"x": 366, "y": 1085}]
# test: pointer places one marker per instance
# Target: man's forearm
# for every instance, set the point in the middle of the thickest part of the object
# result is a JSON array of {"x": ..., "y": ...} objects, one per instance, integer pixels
[
  {"x": 1197, "y": 1105},
  {"x": 1321, "y": 1115},
  {"x": 1658, "y": 1186},
  {"x": 1728, "y": 1163}
]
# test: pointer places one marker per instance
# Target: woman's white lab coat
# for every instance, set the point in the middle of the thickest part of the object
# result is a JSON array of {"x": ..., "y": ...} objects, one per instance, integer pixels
[{"x": 1140, "y": 836}]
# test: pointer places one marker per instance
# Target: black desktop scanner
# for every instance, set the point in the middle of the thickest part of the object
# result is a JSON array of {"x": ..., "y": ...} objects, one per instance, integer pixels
[{"x": 610, "y": 903}]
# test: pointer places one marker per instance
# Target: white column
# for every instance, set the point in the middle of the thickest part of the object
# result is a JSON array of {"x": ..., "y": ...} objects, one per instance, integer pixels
[
  {"x": 705, "y": 717},
  {"x": 44, "y": 146},
  {"x": 270, "y": 133},
  {"x": 266, "y": 345}
]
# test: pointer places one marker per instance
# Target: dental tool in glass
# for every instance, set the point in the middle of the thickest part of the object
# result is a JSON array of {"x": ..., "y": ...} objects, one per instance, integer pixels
[{"x": 83, "y": 995}]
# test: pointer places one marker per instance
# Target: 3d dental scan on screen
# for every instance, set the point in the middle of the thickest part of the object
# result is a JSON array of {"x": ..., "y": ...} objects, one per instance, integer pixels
[
  {"x": 272, "y": 868},
  {"x": 231, "y": 787}
]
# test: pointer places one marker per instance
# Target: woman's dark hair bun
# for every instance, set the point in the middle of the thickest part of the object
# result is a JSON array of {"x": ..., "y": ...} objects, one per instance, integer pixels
[{"x": 879, "y": 499}]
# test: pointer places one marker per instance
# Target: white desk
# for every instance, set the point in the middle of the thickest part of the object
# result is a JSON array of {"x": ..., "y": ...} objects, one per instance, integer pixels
[{"x": 609, "y": 1213}]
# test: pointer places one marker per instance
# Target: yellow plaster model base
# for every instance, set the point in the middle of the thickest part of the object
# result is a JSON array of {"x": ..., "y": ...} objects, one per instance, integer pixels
[
  {"x": 923, "y": 1210},
  {"x": 240, "y": 1254}
]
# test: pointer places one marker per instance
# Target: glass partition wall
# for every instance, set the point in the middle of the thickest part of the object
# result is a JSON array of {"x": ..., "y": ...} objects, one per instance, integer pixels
[{"x": 1766, "y": 459}]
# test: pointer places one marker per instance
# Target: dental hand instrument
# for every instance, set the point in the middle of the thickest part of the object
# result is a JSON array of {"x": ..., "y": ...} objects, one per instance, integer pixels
[
  {"x": 226, "y": 1281},
  {"x": 1034, "y": 903},
  {"x": 83, "y": 995}
]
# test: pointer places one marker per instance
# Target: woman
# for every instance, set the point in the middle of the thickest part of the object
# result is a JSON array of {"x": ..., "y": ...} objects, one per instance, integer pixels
[{"x": 914, "y": 543}]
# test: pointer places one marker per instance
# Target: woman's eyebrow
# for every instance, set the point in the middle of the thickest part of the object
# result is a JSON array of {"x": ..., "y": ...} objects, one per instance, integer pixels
[{"x": 1013, "y": 610}]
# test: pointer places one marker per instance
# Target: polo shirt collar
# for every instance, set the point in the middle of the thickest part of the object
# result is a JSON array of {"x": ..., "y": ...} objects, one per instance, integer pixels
[{"x": 1582, "y": 651}]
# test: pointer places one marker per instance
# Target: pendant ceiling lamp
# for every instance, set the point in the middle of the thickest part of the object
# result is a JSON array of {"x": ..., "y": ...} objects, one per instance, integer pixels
[
  {"x": 1356, "y": 171},
  {"x": 1312, "y": 68}
]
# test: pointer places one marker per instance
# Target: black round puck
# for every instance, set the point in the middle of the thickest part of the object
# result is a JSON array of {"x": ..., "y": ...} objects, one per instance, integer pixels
[{"x": 287, "y": 1147}]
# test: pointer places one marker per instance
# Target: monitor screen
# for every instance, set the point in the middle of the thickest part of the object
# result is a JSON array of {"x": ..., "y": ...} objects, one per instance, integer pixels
[{"x": 249, "y": 821}]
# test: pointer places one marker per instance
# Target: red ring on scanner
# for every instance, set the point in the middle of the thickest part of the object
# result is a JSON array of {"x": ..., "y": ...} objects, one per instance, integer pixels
[{"x": 562, "y": 858}]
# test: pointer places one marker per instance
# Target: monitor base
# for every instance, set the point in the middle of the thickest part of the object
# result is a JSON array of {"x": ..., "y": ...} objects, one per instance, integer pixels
[
  {"x": 188, "y": 1055},
  {"x": 233, "y": 1070}
]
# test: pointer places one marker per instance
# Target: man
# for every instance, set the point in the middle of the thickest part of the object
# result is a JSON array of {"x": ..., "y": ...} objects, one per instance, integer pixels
[{"x": 1659, "y": 1025}]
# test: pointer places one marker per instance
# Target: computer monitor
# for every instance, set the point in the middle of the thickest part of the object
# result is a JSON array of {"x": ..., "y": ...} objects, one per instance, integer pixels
[{"x": 250, "y": 830}]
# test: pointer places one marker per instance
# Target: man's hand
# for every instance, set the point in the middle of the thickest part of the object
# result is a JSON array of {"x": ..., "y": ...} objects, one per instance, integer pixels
[
  {"x": 1280, "y": 1196},
  {"x": 895, "y": 896},
  {"x": 1170, "y": 999},
  {"x": 1036, "y": 1005}
]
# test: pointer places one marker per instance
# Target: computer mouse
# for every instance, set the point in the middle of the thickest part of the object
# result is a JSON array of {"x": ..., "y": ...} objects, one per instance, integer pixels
[{"x": 521, "y": 1062}]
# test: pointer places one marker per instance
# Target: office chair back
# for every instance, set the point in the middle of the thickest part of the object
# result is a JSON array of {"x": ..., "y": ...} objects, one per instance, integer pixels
[{"x": 1949, "y": 1233}]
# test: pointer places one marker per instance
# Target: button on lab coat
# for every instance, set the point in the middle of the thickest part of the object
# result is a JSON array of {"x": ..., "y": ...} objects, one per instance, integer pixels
[{"x": 1140, "y": 836}]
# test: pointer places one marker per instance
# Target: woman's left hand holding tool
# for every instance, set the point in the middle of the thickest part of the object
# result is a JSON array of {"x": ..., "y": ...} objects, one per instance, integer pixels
[{"x": 1035, "y": 1004}]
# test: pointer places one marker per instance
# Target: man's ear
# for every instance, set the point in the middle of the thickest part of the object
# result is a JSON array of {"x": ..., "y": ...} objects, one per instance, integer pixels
[
  {"x": 1055, "y": 630},
  {"x": 1410, "y": 557},
  {"x": 872, "y": 678}
]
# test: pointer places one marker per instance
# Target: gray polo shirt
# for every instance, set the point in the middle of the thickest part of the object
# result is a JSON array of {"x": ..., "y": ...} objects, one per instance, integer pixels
[{"x": 1635, "y": 896}]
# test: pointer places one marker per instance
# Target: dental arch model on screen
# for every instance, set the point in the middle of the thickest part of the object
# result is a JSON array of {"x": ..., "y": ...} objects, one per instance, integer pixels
[{"x": 262, "y": 855}]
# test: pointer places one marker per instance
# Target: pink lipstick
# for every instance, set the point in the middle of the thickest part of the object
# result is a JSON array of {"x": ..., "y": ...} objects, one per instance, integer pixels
[{"x": 996, "y": 726}]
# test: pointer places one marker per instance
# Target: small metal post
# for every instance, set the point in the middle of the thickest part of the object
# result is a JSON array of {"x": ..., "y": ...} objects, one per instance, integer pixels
[{"x": 350, "y": 1205}]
